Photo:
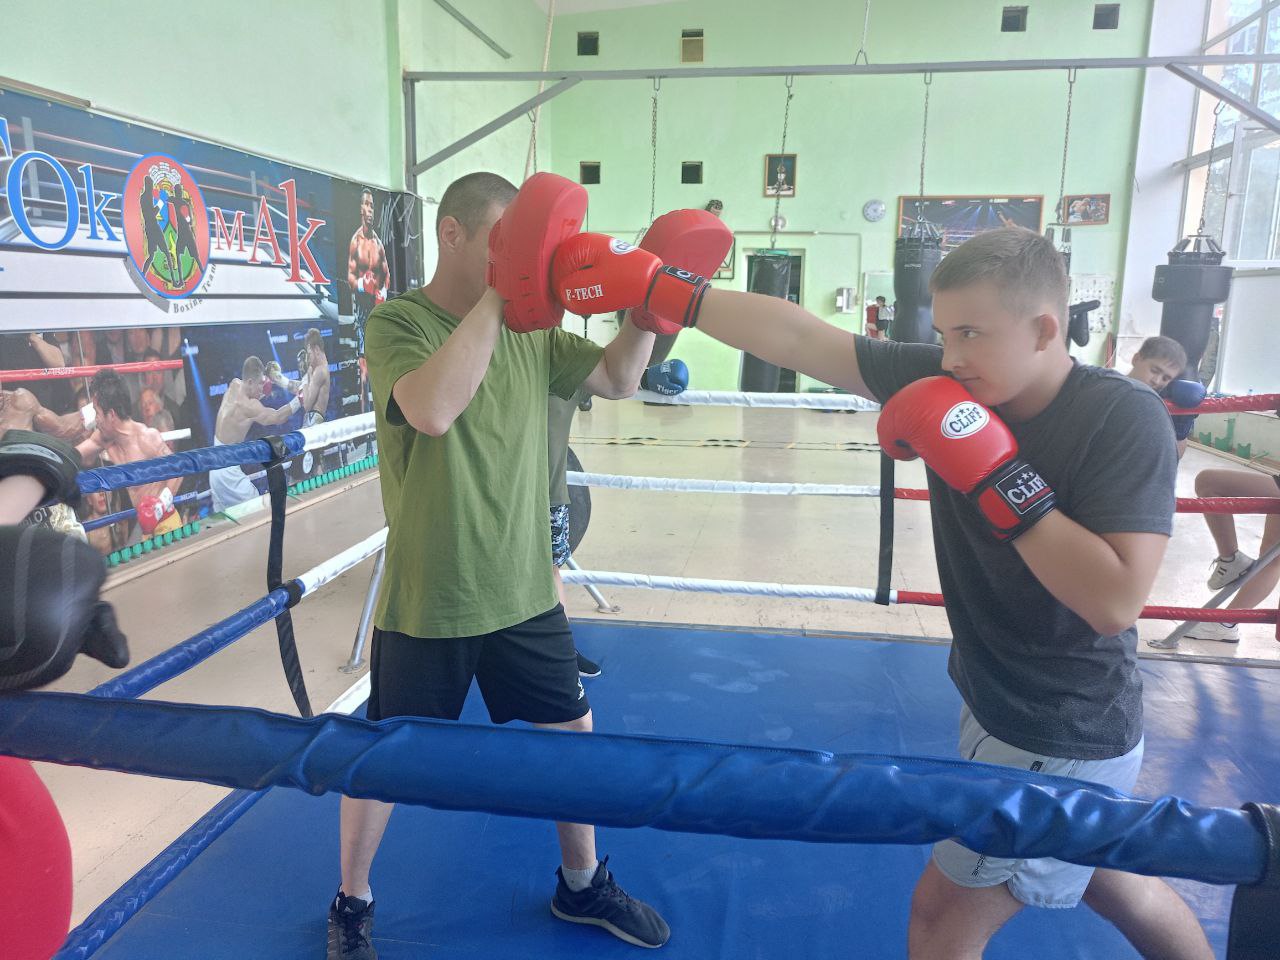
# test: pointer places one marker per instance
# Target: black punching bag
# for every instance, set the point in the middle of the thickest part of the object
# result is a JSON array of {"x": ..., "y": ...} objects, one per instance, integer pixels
[
  {"x": 916, "y": 255},
  {"x": 772, "y": 277},
  {"x": 662, "y": 345},
  {"x": 1190, "y": 285}
]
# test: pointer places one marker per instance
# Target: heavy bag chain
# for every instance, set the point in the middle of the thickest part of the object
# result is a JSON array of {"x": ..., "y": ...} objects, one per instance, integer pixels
[
  {"x": 862, "y": 50},
  {"x": 1213, "y": 140},
  {"x": 777, "y": 181},
  {"x": 533, "y": 142},
  {"x": 1066, "y": 141},
  {"x": 924, "y": 143},
  {"x": 653, "y": 157}
]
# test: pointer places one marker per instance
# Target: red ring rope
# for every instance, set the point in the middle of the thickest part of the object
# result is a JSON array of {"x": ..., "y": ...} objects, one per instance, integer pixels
[
  {"x": 66, "y": 373},
  {"x": 1185, "y": 504},
  {"x": 1262, "y": 401},
  {"x": 1198, "y": 614}
]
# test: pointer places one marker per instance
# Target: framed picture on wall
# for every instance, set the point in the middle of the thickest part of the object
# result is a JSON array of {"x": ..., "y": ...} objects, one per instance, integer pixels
[
  {"x": 960, "y": 217},
  {"x": 1087, "y": 209},
  {"x": 780, "y": 174},
  {"x": 725, "y": 270}
]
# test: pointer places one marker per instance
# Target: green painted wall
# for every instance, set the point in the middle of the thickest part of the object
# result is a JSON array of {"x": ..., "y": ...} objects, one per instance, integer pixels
[
  {"x": 430, "y": 39},
  {"x": 313, "y": 82},
  {"x": 281, "y": 78},
  {"x": 856, "y": 138}
]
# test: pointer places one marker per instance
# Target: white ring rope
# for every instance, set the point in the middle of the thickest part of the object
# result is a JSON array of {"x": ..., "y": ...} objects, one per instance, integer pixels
[
  {"x": 729, "y": 398},
  {"x": 335, "y": 566},
  {"x": 348, "y": 428},
  {"x": 619, "y": 482},
  {"x": 693, "y": 585}
]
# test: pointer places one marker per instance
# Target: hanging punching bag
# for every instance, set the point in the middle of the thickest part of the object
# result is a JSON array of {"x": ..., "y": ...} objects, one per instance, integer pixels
[
  {"x": 916, "y": 255},
  {"x": 662, "y": 345},
  {"x": 1190, "y": 285},
  {"x": 772, "y": 277}
]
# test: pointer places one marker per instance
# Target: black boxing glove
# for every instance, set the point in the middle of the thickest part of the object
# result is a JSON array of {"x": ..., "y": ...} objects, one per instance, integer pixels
[
  {"x": 49, "y": 608},
  {"x": 48, "y": 459}
]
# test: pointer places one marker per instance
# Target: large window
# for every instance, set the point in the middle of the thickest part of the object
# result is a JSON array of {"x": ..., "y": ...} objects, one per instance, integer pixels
[{"x": 1239, "y": 165}]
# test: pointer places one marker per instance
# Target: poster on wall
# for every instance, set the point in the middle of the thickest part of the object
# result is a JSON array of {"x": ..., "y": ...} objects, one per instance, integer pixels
[
  {"x": 160, "y": 293},
  {"x": 962, "y": 217},
  {"x": 374, "y": 264}
]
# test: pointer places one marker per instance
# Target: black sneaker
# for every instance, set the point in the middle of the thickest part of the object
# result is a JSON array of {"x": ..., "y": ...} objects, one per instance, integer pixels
[
  {"x": 587, "y": 668},
  {"x": 350, "y": 929},
  {"x": 605, "y": 904}
]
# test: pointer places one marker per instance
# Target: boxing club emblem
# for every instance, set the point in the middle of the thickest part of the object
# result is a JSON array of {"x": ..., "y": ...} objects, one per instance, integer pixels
[{"x": 166, "y": 226}]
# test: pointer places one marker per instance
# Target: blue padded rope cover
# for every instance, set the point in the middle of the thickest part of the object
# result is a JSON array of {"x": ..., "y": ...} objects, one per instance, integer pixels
[
  {"x": 110, "y": 518},
  {"x": 118, "y": 909},
  {"x": 619, "y": 781},
  {"x": 163, "y": 667},
  {"x": 183, "y": 464}
]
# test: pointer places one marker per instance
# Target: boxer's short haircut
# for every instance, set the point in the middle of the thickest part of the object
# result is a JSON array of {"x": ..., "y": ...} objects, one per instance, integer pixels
[
  {"x": 1162, "y": 348},
  {"x": 467, "y": 199},
  {"x": 108, "y": 390},
  {"x": 252, "y": 369},
  {"x": 1022, "y": 265},
  {"x": 313, "y": 339}
]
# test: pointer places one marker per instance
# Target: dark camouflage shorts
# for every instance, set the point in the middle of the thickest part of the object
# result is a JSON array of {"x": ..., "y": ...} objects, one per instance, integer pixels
[{"x": 559, "y": 533}]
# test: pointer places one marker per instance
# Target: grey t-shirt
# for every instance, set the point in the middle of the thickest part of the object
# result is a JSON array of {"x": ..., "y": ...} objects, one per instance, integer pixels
[{"x": 1034, "y": 673}]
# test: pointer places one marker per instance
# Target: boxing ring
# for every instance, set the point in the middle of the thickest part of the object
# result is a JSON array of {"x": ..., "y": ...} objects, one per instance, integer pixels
[{"x": 794, "y": 777}]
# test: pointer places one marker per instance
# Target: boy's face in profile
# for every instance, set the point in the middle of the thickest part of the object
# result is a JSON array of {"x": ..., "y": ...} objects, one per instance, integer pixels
[
  {"x": 1154, "y": 372},
  {"x": 993, "y": 351}
]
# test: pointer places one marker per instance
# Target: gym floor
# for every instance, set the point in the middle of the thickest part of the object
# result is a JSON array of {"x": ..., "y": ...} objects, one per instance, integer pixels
[{"x": 118, "y": 822}]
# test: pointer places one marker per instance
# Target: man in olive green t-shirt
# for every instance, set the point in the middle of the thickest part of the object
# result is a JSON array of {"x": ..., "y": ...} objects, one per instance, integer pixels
[{"x": 460, "y": 403}]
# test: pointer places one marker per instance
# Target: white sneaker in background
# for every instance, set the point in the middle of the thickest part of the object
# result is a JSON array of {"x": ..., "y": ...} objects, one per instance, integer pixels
[
  {"x": 1224, "y": 572},
  {"x": 1222, "y": 632}
]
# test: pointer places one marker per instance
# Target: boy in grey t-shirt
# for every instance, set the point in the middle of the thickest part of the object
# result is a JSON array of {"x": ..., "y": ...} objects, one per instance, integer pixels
[{"x": 1052, "y": 496}]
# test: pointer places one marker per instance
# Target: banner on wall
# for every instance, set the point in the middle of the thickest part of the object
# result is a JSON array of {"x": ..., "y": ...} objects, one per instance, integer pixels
[{"x": 142, "y": 271}]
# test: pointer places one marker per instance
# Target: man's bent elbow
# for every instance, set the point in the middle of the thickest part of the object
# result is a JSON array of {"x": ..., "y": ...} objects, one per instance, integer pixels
[
  {"x": 432, "y": 425},
  {"x": 1115, "y": 620}
]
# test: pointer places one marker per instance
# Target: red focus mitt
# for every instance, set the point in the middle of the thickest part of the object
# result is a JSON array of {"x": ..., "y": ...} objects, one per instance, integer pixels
[
  {"x": 693, "y": 240},
  {"x": 547, "y": 211}
]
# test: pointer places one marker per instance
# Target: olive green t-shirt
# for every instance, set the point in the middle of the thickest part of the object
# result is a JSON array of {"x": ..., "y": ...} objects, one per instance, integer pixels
[
  {"x": 468, "y": 544},
  {"x": 559, "y": 420}
]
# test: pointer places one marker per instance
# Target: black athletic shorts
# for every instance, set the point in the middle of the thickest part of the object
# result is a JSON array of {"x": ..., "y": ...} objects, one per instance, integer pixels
[{"x": 526, "y": 672}]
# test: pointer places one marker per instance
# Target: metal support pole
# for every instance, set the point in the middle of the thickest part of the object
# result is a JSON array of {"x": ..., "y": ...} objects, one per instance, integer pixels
[
  {"x": 1218, "y": 91},
  {"x": 410, "y": 135},
  {"x": 366, "y": 614},
  {"x": 481, "y": 132},
  {"x": 602, "y": 605},
  {"x": 852, "y": 70},
  {"x": 1222, "y": 596}
]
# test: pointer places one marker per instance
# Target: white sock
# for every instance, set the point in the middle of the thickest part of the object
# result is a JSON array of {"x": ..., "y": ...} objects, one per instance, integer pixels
[
  {"x": 367, "y": 896},
  {"x": 578, "y": 880}
]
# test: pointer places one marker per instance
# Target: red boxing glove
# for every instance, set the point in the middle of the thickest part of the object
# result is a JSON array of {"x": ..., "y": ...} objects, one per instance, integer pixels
[
  {"x": 594, "y": 273},
  {"x": 970, "y": 448},
  {"x": 692, "y": 240},
  {"x": 35, "y": 857},
  {"x": 153, "y": 510},
  {"x": 548, "y": 210}
]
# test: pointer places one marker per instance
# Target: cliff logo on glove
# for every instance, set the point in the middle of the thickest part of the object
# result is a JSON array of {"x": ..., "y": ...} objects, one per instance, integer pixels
[
  {"x": 964, "y": 420},
  {"x": 621, "y": 246},
  {"x": 1023, "y": 489}
]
